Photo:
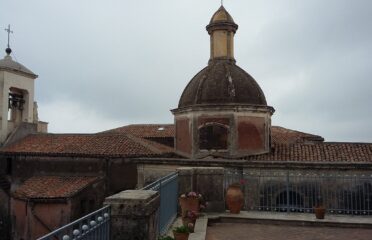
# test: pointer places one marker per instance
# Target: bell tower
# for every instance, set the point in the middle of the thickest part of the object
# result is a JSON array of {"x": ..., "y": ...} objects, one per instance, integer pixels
[{"x": 17, "y": 84}]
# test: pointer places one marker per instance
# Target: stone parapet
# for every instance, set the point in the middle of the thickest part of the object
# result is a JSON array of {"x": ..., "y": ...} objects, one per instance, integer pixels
[
  {"x": 185, "y": 179},
  {"x": 134, "y": 214}
]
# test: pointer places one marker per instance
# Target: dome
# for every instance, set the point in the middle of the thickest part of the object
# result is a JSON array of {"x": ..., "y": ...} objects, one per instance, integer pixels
[
  {"x": 221, "y": 16},
  {"x": 222, "y": 82},
  {"x": 222, "y": 20},
  {"x": 7, "y": 64}
]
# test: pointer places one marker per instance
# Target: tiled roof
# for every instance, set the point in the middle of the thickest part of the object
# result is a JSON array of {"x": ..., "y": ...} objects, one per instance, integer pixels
[
  {"x": 146, "y": 130},
  {"x": 52, "y": 187},
  {"x": 135, "y": 141},
  {"x": 88, "y": 144},
  {"x": 322, "y": 152},
  {"x": 279, "y": 134}
]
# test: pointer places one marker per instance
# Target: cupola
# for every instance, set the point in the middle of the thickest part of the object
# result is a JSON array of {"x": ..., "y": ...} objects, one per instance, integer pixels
[{"x": 222, "y": 111}]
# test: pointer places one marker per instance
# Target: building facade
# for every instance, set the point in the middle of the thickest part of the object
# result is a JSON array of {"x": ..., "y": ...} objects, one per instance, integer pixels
[{"x": 222, "y": 119}]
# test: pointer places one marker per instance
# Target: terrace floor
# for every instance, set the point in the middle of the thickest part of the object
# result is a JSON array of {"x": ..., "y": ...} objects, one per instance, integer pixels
[
  {"x": 249, "y": 231},
  {"x": 280, "y": 226}
]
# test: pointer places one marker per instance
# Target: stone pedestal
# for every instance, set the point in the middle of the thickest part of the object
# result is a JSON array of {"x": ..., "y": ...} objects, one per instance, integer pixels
[{"x": 134, "y": 215}]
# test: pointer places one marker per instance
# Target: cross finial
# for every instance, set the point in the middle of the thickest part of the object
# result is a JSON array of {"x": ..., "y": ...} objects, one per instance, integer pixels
[
  {"x": 9, "y": 32},
  {"x": 221, "y": 2},
  {"x": 8, "y": 50}
]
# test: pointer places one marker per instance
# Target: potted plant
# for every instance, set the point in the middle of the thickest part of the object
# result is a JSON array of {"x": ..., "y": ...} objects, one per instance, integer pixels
[
  {"x": 165, "y": 238},
  {"x": 235, "y": 197},
  {"x": 192, "y": 201},
  {"x": 181, "y": 233},
  {"x": 189, "y": 219},
  {"x": 319, "y": 209}
]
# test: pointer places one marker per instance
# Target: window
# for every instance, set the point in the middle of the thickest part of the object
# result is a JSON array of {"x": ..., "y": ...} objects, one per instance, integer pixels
[
  {"x": 8, "y": 166},
  {"x": 213, "y": 136}
]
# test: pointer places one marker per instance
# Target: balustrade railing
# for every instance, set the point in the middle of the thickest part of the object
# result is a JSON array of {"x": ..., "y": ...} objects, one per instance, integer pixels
[
  {"x": 94, "y": 226},
  {"x": 168, "y": 190},
  {"x": 291, "y": 191}
]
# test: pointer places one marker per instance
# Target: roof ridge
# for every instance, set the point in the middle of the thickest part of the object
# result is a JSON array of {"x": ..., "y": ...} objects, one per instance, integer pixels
[
  {"x": 353, "y": 143},
  {"x": 293, "y": 130},
  {"x": 143, "y": 142}
]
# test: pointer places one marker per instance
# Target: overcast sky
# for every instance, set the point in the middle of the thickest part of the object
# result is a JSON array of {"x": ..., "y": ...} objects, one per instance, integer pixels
[{"x": 105, "y": 64}]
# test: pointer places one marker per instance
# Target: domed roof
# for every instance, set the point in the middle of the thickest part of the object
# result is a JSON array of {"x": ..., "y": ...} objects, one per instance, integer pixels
[
  {"x": 222, "y": 20},
  {"x": 7, "y": 64},
  {"x": 222, "y": 82},
  {"x": 221, "y": 16}
]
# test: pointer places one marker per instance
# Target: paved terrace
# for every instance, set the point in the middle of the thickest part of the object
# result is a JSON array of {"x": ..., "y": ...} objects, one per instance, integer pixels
[{"x": 280, "y": 226}]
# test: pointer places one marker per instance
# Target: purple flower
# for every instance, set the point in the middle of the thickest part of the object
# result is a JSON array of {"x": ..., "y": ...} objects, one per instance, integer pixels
[{"x": 192, "y": 194}]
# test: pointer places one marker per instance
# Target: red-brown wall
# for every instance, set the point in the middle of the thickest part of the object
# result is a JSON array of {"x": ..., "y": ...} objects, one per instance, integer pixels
[
  {"x": 251, "y": 133},
  {"x": 183, "y": 133},
  {"x": 222, "y": 120},
  {"x": 32, "y": 220}
]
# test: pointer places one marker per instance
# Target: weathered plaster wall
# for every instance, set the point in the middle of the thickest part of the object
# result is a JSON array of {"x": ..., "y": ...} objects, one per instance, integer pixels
[
  {"x": 134, "y": 214},
  {"x": 121, "y": 176},
  {"x": 148, "y": 173},
  {"x": 4, "y": 215},
  {"x": 248, "y": 131},
  {"x": 251, "y": 134},
  {"x": 208, "y": 181},
  {"x": 88, "y": 200},
  {"x": 184, "y": 136},
  {"x": 26, "y": 167},
  {"x": 32, "y": 220}
]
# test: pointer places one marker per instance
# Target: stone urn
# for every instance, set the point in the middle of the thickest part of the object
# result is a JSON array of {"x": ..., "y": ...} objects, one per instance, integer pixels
[
  {"x": 319, "y": 212},
  {"x": 189, "y": 203},
  {"x": 234, "y": 198}
]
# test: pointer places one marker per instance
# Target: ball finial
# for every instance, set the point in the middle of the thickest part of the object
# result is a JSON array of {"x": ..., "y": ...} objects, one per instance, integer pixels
[{"x": 8, "y": 51}]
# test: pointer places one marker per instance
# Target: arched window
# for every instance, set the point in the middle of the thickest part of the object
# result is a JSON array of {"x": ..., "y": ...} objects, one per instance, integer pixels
[
  {"x": 213, "y": 136},
  {"x": 289, "y": 199}
]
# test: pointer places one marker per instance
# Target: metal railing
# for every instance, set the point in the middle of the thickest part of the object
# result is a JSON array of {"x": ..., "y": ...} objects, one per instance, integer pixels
[
  {"x": 291, "y": 191},
  {"x": 94, "y": 226},
  {"x": 168, "y": 190}
]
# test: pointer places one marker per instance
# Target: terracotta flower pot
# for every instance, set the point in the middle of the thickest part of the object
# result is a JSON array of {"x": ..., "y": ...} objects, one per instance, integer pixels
[
  {"x": 186, "y": 222},
  {"x": 234, "y": 198},
  {"x": 319, "y": 212},
  {"x": 180, "y": 236},
  {"x": 189, "y": 203}
]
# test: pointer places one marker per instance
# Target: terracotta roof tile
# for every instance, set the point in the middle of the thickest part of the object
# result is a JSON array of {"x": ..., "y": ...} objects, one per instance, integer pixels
[
  {"x": 52, "y": 187},
  {"x": 322, "y": 152},
  {"x": 88, "y": 144},
  {"x": 146, "y": 130},
  {"x": 138, "y": 141},
  {"x": 282, "y": 135},
  {"x": 279, "y": 134}
]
